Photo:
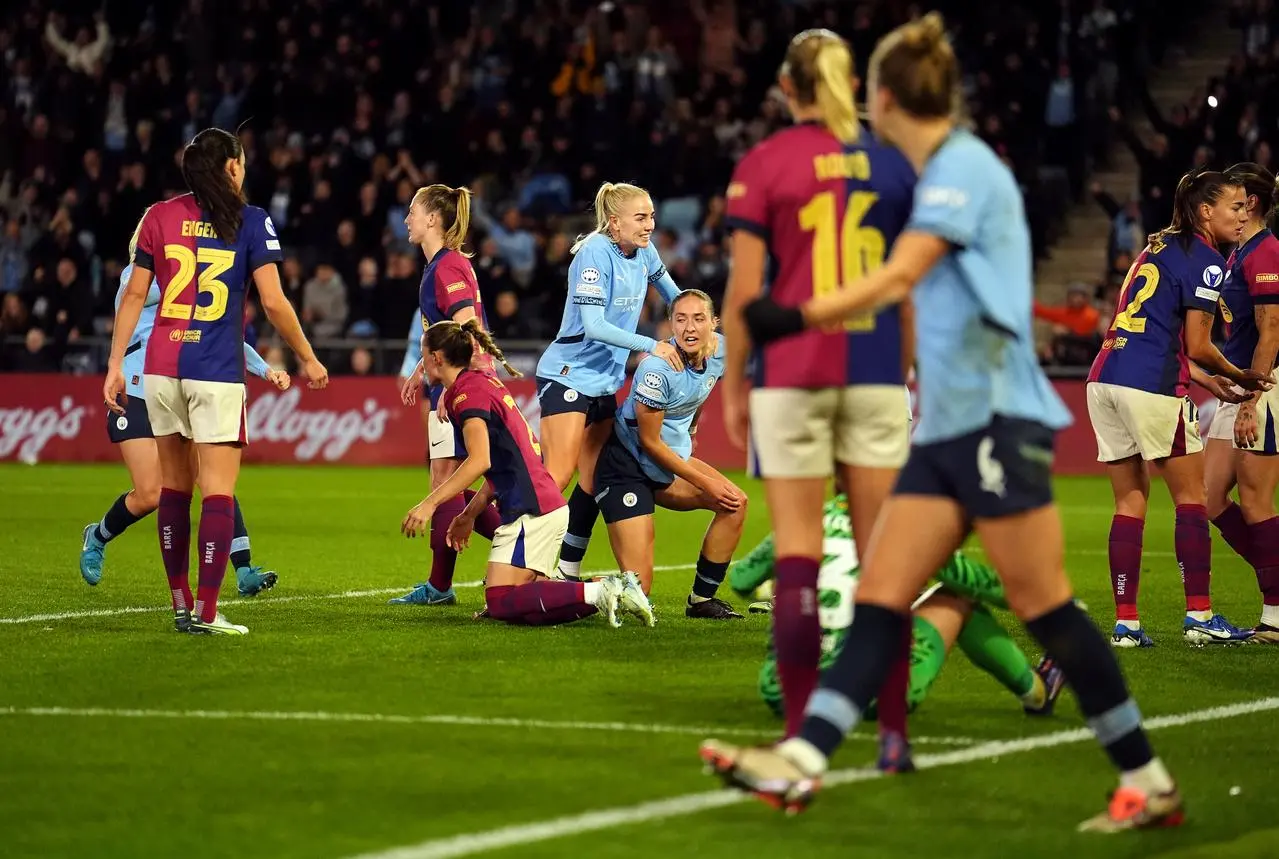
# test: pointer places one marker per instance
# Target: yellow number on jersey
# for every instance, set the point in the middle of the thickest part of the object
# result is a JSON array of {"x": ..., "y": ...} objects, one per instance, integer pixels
[
  {"x": 1126, "y": 319},
  {"x": 843, "y": 253},
  {"x": 532, "y": 439},
  {"x": 216, "y": 262}
]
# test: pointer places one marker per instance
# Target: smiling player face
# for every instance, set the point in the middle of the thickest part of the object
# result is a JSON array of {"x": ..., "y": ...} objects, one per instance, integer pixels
[
  {"x": 633, "y": 226},
  {"x": 1226, "y": 218},
  {"x": 693, "y": 324}
]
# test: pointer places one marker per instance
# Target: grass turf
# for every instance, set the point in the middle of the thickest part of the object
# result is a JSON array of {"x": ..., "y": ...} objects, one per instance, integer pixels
[{"x": 282, "y": 785}]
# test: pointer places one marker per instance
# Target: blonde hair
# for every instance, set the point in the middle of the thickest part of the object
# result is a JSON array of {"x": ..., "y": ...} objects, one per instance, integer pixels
[
  {"x": 819, "y": 64},
  {"x": 917, "y": 64},
  {"x": 459, "y": 341},
  {"x": 609, "y": 200},
  {"x": 454, "y": 206},
  {"x": 690, "y": 293},
  {"x": 137, "y": 233}
]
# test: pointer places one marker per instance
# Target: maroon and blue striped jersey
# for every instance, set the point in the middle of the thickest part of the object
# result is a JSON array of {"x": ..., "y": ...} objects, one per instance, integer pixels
[{"x": 1253, "y": 278}]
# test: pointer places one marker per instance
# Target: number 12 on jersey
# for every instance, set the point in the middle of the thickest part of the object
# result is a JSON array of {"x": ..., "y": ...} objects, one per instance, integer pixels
[{"x": 843, "y": 251}]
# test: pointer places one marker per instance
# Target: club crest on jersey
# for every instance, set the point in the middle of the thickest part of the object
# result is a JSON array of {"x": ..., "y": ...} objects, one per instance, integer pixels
[
  {"x": 590, "y": 275},
  {"x": 1214, "y": 276}
]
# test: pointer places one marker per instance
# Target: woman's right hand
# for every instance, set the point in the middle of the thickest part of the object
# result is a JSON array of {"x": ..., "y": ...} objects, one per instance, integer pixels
[
  {"x": 1246, "y": 425},
  {"x": 726, "y": 496},
  {"x": 316, "y": 374},
  {"x": 670, "y": 355},
  {"x": 113, "y": 390},
  {"x": 410, "y": 386},
  {"x": 1251, "y": 380}
]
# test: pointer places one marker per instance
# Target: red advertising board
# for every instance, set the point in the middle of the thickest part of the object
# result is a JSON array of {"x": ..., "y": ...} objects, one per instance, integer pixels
[{"x": 355, "y": 421}]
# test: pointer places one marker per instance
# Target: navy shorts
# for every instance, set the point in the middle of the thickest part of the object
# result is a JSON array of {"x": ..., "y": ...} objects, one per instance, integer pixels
[
  {"x": 1000, "y": 470},
  {"x": 626, "y": 491},
  {"x": 134, "y": 423},
  {"x": 557, "y": 399}
]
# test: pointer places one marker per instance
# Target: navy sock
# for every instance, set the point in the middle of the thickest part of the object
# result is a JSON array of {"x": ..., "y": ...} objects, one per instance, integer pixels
[
  {"x": 582, "y": 511},
  {"x": 853, "y": 681},
  {"x": 1093, "y": 673},
  {"x": 710, "y": 575},
  {"x": 240, "y": 556},
  {"x": 116, "y": 522}
]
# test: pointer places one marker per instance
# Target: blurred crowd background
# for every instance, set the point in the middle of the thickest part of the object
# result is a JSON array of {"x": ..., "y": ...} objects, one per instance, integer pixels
[{"x": 347, "y": 108}]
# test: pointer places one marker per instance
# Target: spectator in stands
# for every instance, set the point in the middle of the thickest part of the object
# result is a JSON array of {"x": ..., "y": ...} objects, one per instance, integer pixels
[
  {"x": 1126, "y": 233},
  {"x": 1075, "y": 340},
  {"x": 361, "y": 361},
  {"x": 324, "y": 304},
  {"x": 508, "y": 323},
  {"x": 35, "y": 355},
  {"x": 14, "y": 320}
]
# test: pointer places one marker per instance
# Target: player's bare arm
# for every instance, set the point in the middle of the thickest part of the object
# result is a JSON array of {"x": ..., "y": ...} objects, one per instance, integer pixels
[
  {"x": 126, "y": 321},
  {"x": 745, "y": 284},
  {"x": 649, "y": 422},
  {"x": 476, "y": 465},
  {"x": 913, "y": 256},
  {"x": 282, "y": 315},
  {"x": 1201, "y": 350}
]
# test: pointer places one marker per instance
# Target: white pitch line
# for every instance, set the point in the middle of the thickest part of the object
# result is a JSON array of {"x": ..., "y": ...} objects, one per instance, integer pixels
[
  {"x": 247, "y": 603},
  {"x": 519, "y": 835},
  {"x": 429, "y": 719}
]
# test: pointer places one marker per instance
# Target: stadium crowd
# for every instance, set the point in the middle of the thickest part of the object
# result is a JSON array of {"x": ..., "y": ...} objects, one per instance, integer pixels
[
  {"x": 1228, "y": 119},
  {"x": 345, "y": 109}
]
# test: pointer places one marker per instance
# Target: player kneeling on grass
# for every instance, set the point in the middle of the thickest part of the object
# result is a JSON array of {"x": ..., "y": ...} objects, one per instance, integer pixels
[
  {"x": 954, "y": 610},
  {"x": 648, "y": 461},
  {"x": 501, "y": 447}
]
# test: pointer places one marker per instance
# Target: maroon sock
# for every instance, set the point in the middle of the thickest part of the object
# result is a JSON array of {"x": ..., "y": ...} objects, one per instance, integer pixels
[
  {"x": 1264, "y": 540},
  {"x": 1125, "y": 564},
  {"x": 1192, "y": 542},
  {"x": 1235, "y": 531},
  {"x": 217, "y": 529},
  {"x": 489, "y": 520},
  {"x": 540, "y": 603},
  {"x": 173, "y": 521},
  {"x": 797, "y": 635},
  {"x": 891, "y": 701},
  {"x": 444, "y": 559}
]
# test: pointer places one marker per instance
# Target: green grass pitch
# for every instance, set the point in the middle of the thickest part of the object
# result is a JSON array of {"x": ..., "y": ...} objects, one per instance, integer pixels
[{"x": 343, "y": 726}]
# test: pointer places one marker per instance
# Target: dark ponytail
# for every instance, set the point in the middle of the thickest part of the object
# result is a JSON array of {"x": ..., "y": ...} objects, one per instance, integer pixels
[
  {"x": 458, "y": 343},
  {"x": 1196, "y": 188},
  {"x": 204, "y": 170},
  {"x": 1259, "y": 182}
]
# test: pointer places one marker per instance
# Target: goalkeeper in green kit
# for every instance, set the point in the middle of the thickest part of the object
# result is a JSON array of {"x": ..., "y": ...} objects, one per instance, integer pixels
[{"x": 954, "y": 610}]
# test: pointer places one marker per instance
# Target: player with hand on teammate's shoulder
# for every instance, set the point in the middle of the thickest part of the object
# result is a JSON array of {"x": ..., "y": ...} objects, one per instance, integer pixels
[
  {"x": 204, "y": 248},
  {"x": 981, "y": 456},
  {"x": 1138, "y": 398},
  {"x": 501, "y": 447}
]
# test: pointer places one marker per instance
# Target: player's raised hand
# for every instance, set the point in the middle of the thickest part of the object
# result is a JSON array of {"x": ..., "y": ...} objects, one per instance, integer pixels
[
  {"x": 1246, "y": 425},
  {"x": 417, "y": 523},
  {"x": 316, "y": 374},
  {"x": 1254, "y": 381},
  {"x": 670, "y": 355},
  {"x": 113, "y": 390},
  {"x": 459, "y": 533},
  {"x": 280, "y": 379},
  {"x": 736, "y": 421}
]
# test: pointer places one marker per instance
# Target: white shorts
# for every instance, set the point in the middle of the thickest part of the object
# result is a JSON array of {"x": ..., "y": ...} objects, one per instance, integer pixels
[
  {"x": 1128, "y": 422},
  {"x": 205, "y": 412},
  {"x": 1223, "y": 421},
  {"x": 531, "y": 542},
  {"x": 796, "y": 432},
  {"x": 442, "y": 437}
]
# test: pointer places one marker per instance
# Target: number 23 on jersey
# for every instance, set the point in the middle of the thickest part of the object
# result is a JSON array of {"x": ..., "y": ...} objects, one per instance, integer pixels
[
  {"x": 843, "y": 251},
  {"x": 216, "y": 262}
]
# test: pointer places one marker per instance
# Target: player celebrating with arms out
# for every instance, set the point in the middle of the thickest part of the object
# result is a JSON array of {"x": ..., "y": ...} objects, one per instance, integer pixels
[
  {"x": 981, "y": 456},
  {"x": 501, "y": 447},
  {"x": 826, "y": 201},
  {"x": 580, "y": 373},
  {"x": 203, "y": 248},
  {"x": 131, "y": 433},
  {"x": 1241, "y": 446},
  {"x": 649, "y": 461},
  {"x": 438, "y": 220},
  {"x": 1139, "y": 405}
]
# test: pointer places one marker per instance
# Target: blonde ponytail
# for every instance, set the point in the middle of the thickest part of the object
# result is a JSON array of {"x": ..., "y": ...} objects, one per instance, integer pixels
[
  {"x": 833, "y": 90},
  {"x": 609, "y": 200},
  {"x": 455, "y": 235},
  {"x": 485, "y": 341}
]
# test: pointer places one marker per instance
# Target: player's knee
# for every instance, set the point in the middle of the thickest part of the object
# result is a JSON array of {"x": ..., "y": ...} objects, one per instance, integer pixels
[
  {"x": 1256, "y": 506},
  {"x": 147, "y": 495}
]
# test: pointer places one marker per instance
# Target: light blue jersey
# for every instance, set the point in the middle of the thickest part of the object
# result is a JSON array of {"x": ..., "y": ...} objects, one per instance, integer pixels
[
  {"x": 136, "y": 353},
  {"x": 413, "y": 349},
  {"x": 976, "y": 350},
  {"x": 679, "y": 395},
  {"x": 606, "y": 292}
]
